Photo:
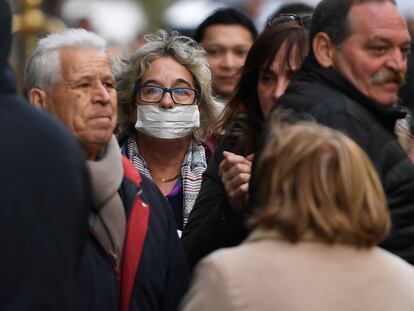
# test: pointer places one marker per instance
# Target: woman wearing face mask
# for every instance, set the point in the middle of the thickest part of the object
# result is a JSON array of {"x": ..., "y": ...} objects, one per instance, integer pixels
[
  {"x": 217, "y": 219},
  {"x": 165, "y": 110}
]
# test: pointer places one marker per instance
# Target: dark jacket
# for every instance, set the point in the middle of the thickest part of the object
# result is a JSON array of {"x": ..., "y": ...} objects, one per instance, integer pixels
[
  {"x": 44, "y": 200},
  {"x": 407, "y": 90},
  {"x": 333, "y": 101},
  {"x": 159, "y": 276},
  {"x": 213, "y": 224}
]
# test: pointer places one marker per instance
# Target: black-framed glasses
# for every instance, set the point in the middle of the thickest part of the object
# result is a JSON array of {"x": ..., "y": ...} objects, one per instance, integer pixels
[
  {"x": 180, "y": 95},
  {"x": 303, "y": 20}
]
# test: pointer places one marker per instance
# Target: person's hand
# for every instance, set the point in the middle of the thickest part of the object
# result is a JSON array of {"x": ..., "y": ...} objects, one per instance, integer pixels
[{"x": 234, "y": 171}]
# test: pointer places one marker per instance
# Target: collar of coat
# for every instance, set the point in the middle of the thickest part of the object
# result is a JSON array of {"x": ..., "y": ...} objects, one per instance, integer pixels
[{"x": 312, "y": 71}]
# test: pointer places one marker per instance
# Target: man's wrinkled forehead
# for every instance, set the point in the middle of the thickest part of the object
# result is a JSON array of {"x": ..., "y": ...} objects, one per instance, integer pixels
[
  {"x": 376, "y": 18},
  {"x": 80, "y": 60}
]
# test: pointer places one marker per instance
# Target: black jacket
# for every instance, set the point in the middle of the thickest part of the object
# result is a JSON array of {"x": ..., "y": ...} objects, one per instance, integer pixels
[
  {"x": 333, "y": 101},
  {"x": 162, "y": 276},
  {"x": 213, "y": 224},
  {"x": 44, "y": 199}
]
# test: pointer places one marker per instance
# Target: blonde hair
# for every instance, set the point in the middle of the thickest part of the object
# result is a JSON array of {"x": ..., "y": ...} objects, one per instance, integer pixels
[
  {"x": 315, "y": 179},
  {"x": 185, "y": 51}
]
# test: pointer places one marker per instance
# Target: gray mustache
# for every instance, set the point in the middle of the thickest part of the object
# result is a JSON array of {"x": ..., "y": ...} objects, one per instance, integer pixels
[{"x": 388, "y": 76}]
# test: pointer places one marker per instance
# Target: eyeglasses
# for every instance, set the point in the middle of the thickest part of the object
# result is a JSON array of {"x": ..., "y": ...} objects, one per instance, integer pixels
[
  {"x": 303, "y": 20},
  {"x": 180, "y": 95}
]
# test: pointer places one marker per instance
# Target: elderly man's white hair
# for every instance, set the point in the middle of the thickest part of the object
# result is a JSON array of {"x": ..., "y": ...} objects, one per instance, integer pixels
[{"x": 43, "y": 66}]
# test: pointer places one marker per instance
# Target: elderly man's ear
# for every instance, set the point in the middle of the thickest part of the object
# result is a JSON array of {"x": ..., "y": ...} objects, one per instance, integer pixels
[
  {"x": 323, "y": 49},
  {"x": 37, "y": 98}
]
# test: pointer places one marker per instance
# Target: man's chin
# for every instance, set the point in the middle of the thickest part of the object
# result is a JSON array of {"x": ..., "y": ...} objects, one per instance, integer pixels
[
  {"x": 100, "y": 138},
  {"x": 387, "y": 99},
  {"x": 225, "y": 92}
]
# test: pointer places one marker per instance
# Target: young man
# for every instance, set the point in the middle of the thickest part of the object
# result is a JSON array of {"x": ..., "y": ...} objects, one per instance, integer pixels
[{"x": 227, "y": 36}]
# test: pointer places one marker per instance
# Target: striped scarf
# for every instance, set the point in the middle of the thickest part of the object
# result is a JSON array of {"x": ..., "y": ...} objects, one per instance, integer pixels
[{"x": 192, "y": 169}]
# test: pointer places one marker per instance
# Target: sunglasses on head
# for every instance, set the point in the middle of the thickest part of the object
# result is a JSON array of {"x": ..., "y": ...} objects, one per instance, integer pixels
[{"x": 303, "y": 20}]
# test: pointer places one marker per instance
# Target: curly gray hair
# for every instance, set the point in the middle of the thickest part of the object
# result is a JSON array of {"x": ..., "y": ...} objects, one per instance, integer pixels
[{"x": 132, "y": 67}]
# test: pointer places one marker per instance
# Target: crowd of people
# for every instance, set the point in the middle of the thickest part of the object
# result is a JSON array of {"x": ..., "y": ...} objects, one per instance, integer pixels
[{"x": 228, "y": 171}]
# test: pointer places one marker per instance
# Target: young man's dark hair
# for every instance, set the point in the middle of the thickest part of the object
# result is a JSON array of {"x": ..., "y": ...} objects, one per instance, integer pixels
[
  {"x": 294, "y": 8},
  {"x": 225, "y": 16}
]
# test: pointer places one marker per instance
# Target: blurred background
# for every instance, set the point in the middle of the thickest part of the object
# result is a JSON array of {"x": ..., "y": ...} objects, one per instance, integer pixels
[{"x": 124, "y": 22}]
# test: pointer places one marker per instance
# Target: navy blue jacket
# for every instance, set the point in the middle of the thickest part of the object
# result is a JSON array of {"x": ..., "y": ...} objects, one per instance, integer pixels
[{"x": 162, "y": 275}]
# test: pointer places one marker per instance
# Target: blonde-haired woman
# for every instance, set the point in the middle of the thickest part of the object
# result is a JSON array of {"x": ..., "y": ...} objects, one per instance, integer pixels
[{"x": 322, "y": 211}]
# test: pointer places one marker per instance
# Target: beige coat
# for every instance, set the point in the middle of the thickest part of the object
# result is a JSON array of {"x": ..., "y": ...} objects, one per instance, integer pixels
[{"x": 309, "y": 276}]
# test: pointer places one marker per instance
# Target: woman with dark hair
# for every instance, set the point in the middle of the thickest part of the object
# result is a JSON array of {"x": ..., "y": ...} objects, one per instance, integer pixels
[{"x": 217, "y": 219}]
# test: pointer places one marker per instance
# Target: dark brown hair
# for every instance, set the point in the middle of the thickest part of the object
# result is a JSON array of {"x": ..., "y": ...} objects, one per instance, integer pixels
[
  {"x": 244, "y": 105},
  {"x": 225, "y": 16}
]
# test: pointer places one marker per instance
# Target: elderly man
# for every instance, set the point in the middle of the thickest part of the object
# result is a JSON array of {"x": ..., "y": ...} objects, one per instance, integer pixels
[
  {"x": 70, "y": 76},
  {"x": 349, "y": 82},
  {"x": 44, "y": 199}
]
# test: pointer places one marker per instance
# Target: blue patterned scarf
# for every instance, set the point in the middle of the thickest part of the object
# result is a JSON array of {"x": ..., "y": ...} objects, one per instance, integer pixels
[{"x": 192, "y": 169}]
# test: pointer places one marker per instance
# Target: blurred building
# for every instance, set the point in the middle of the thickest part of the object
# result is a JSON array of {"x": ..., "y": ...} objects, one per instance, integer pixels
[
  {"x": 119, "y": 21},
  {"x": 122, "y": 22}
]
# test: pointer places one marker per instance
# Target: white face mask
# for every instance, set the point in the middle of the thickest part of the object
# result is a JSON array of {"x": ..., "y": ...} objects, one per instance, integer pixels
[{"x": 170, "y": 123}]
